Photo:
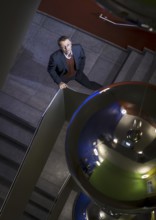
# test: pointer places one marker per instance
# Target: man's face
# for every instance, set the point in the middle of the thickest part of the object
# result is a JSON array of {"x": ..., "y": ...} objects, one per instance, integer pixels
[{"x": 66, "y": 46}]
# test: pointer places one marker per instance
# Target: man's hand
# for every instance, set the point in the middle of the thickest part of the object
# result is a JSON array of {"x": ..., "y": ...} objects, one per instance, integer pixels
[{"x": 62, "y": 85}]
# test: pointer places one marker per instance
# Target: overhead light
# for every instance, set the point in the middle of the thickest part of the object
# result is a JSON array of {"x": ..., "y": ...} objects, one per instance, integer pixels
[
  {"x": 102, "y": 215},
  {"x": 123, "y": 111},
  {"x": 127, "y": 144},
  {"x": 115, "y": 140},
  {"x": 144, "y": 176},
  {"x": 95, "y": 151},
  {"x": 94, "y": 143},
  {"x": 140, "y": 152},
  {"x": 98, "y": 163}
]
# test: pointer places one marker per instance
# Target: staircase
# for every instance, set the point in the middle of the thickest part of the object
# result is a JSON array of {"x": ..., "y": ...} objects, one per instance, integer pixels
[
  {"x": 18, "y": 123},
  {"x": 139, "y": 66},
  {"x": 130, "y": 65},
  {"x": 19, "y": 120}
]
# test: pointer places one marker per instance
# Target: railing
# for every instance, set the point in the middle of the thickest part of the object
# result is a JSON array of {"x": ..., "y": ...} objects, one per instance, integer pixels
[
  {"x": 114, "y": 23},
  {"x": 144, "y": 26}
]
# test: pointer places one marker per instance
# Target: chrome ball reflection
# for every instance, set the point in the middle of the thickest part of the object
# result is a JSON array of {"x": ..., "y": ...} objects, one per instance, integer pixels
[
  {"x": 110, "y": 147},
  {"x": 84, "y": 209}
]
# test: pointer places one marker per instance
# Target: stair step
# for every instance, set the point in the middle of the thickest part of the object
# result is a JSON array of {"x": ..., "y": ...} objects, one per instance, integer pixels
[
  {"x": 14, "y": 142},
  {"x": 32, "y": 93},
  {"x": 36, "y": 211},
  {"x": 153, "y": 77},
  {"x": 10, "y": 116},
  {"x": 7, "y": 172},
  {"x": 44, "y": 193},
  {"x": 10, "y": 151},
  {"x": 48, "y": 187},
  {"x": 5, "y": 184},
  {"x": 3, "y": 192},
  {"x": 16, "y": 132},
  {"x": 1, "y": 202},
  {"x": 9, "y": 162},
  {"x": 128, "y": 70},
  {"x": 4, "y": 181},
  {"x": 28, "y": 216},
  {"x": 10, "y": 159},
  {"x": 121, "y": 58},
  {"x": 21, "y": 111},
  {"x": 143, "y": 71},
  {"x": 44, "y": 201},
  {"x": 41, "y": 201},
  {"x": 107, "y": 67}
]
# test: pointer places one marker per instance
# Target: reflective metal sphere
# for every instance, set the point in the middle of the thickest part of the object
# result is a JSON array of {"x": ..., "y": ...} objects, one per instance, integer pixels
[
  {"x": 111, "y": 147},
  {"x": 84, "y": 209}
]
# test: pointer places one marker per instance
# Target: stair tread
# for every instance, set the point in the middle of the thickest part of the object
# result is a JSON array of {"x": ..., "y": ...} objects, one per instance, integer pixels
[
  {"x": 153, "y": 78},
  {"x": 30, "y": 92},
  {"x": 15, "y": 131},
  {"x": 48, "y": 187},
  {"x": 144, "y": 71},
  {"x": 41, "y": 200},
  {"x": 7, "y": 172},
  {"x": 36, "y": 211},
  {"x": 106, "y": 69},
  {"x": 3, "y": 192},
  {"x": 26, "y": 216},
  {"x": 20, "y": 109},
  {"x": 128, "y": 69},
  {"x": 9, "y": 150}
]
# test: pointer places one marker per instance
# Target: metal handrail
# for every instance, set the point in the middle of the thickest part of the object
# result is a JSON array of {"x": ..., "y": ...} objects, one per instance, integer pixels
[{"x": 114, "y": 23}]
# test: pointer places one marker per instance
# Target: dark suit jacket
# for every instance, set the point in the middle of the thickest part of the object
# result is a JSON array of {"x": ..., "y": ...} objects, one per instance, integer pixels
[{"x": 57, "y": 66}]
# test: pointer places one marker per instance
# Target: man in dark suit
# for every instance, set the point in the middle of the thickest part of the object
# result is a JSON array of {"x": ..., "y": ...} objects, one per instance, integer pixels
[{"x": 68, "y": 63}]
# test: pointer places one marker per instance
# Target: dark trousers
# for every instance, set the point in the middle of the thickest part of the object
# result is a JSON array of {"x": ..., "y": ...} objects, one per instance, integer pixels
[{"x": 83, "y": 80}]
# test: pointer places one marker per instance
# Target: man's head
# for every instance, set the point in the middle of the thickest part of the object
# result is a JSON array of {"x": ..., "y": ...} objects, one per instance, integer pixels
[{"x": 65, "y": 44}]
